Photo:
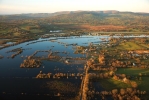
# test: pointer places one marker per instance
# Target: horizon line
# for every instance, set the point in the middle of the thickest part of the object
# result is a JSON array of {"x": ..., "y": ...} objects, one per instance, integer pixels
[{"x": 67, "y": 11}]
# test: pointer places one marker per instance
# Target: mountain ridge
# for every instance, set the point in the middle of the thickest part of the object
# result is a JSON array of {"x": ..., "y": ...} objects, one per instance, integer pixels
[{"x": 70, "y": 12}]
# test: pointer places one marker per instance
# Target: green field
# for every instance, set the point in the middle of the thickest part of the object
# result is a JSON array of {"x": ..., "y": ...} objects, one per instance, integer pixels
[
  {"x": 129, "y": 46},
  {"x": 132, "y": 71},
  {"x": 109, "y": 84},
  {"x": 145, "y": 45},
  {"x": 143, "y": 83}
]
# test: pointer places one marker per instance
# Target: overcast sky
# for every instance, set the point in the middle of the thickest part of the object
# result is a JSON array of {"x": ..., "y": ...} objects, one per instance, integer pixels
[{"x": 50, "y": 6}]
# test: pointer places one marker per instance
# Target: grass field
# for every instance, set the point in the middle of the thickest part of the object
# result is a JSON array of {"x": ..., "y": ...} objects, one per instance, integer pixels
[
  {"x": 16, "y": 34},
  {"x": 142, "y": 84},
  {"x": 145, "y": 45},
  {"x": 132, "y": 71},
  {"x": 110, "y": 84},
  {"x": 129, "y": 46},
  {"x": 36, "y": 31}
]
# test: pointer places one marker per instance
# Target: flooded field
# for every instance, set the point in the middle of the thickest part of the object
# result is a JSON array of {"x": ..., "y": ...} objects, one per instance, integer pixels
[
  {"x": 64, "y": 67},
  {"x": 16, "y": 79}
]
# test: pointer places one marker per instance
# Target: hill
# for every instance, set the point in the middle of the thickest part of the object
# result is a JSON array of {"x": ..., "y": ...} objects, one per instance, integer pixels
[
  {"x": 109, "y": 20},
  {"x": 103, "y": 20}
]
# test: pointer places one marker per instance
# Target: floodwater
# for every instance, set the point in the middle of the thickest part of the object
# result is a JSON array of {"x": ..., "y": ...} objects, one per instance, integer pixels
[
  {"x": 22, "y": 80},
  {"x": 11, "y": 67}
]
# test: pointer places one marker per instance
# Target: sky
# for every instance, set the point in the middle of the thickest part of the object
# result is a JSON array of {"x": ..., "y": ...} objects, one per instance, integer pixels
[{"x": 50, "y": 6}]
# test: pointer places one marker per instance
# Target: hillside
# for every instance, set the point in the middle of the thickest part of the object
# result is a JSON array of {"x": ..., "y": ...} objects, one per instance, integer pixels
[
  {"x": 110, "y": 20},
  {"x": 122, "y": 20}
]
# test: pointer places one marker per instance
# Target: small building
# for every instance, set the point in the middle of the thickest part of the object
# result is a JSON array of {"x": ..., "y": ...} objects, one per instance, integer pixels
[{"x": 67, "y": 61}]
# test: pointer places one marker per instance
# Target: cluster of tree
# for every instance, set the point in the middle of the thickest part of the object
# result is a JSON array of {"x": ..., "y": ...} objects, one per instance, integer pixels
[
  {"x": 16, "y": 50},
  {"x": 122, "y": 94},
  {"x": 101, "y": 75},
  {"x": 29, "y": 62},
  {"x": 101, "y": 59},
  {"x": 128, "y": 93},
  {"x": 17, "y": 53},
  {"x": 85, "y": 87},
  {"x": 59, "y": 75}
]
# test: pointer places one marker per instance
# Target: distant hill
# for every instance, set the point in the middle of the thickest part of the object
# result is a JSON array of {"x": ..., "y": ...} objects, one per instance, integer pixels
[
  {"x": 41, "y": 15},
  {"x": 101, "y": 17},
  {"x": 131, "y": 20}
]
